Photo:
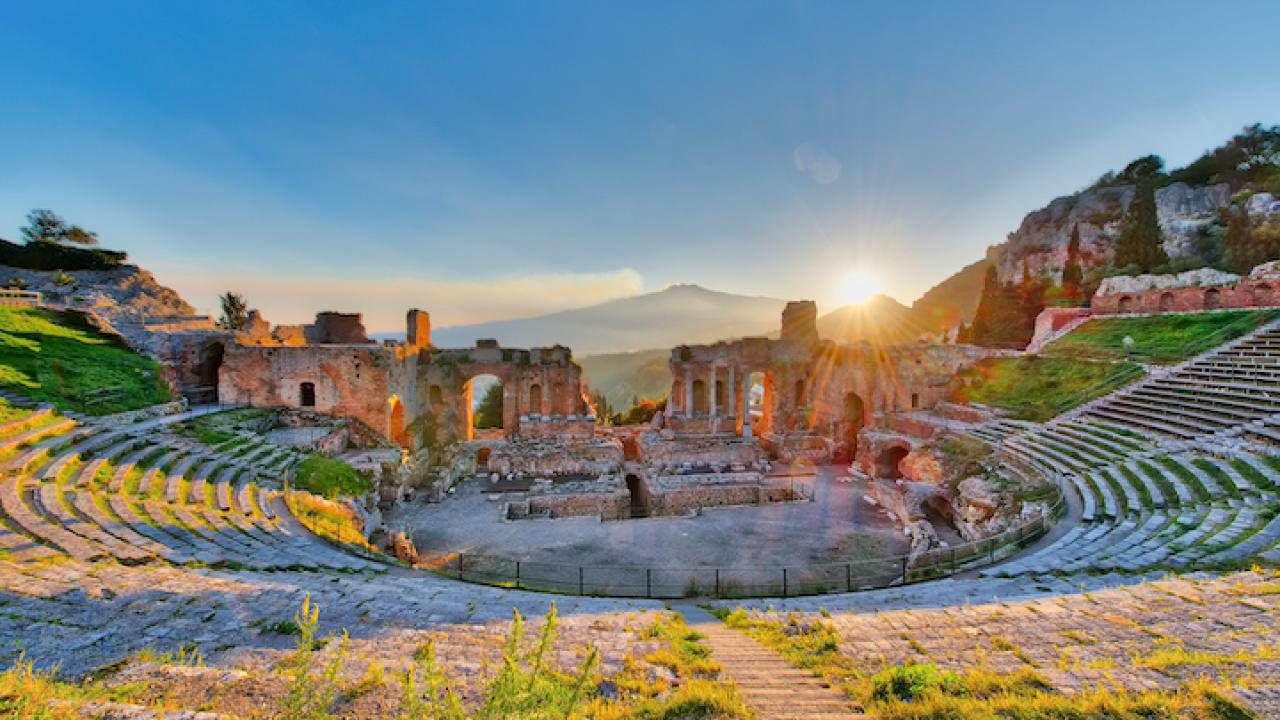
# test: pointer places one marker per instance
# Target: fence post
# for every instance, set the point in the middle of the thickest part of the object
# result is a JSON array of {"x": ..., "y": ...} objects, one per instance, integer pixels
[
  {"x": 580, "y": 583},
  {"x": 848, "y": 577},
  {"x": 517, "y": 574},
  {"x": 717, "y": 583},
  {"x": 459, "y": 566},
  {"x": 648, "y": 582},
  {"x": 784, "y": 582},
  {"x": 904, "y": 569}
]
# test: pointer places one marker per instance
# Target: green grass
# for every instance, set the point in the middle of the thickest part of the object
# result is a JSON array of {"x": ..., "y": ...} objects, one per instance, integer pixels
[
  {"x": 1252, "y": 474},
  {"x": 1219, "y": 476},
  {"x": 1192, "y": 481},
  {"x": 1158, "y": 338},
  {"x": 1038, "y": 388},
  {"x": 9, "y": 413},
  {"x": 57, "y": 358},
  {"x": 328, "y": 477}
]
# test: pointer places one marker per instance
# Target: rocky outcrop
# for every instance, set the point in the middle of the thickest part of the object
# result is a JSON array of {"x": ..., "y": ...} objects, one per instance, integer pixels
[
  {"x": 1203, "y": 277},
  {"x": 125, "y": 294},
  {"x": 1184, "y": 212}
]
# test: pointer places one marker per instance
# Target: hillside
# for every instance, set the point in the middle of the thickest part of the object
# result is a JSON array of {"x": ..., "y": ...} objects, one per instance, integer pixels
[
  {"x": 623, "y": 377},
  {"x": 57, "y": 358},
  {"x": 951, "y": 301},
  {"x": 676, "y": 315},
  {"x": 879, "y": 320}
]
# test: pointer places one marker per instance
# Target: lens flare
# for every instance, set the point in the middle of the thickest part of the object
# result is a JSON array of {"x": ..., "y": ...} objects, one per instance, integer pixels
[{"x": 857, "y": 286}]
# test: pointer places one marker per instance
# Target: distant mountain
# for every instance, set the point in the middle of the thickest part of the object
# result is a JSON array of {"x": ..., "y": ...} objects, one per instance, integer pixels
[
  {"x": 880, "y": 320},
  {"x": 624, "y": 377},
  {"x": 680, "y": 314}
]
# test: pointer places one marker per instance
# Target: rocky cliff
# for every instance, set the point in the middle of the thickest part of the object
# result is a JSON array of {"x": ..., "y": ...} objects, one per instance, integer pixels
[
  {"x": 1185, "y": 214},
  {"x": 127, "y": 293}
]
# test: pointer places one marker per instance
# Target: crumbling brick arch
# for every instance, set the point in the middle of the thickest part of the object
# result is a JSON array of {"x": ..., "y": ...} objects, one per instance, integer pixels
[
  {"x": 1262, "y": 295},
  {"x": 1166, "y": 302},
  {"x": 395, "y": 422},
  {"x": 307, "y": 394},
  {"x": 889, "y": 458},
  {"x": 1212, "y": 299},
  {"x": 1125, "y": 304},
  {"x": 535, "y": 399}
]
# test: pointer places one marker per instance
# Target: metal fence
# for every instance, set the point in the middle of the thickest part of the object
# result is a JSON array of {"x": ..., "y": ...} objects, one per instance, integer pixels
[{"x": 637, "y": 581}]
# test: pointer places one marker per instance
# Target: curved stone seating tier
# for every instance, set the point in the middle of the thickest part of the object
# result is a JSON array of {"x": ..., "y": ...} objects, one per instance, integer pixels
[
  {"x": 30, "y": 436},
  {"x": 17, "y": 547},
  {"x": 41, "y": 415},
  {"x": 23, "y": 516},
  {"x": 173, "y": 481}
]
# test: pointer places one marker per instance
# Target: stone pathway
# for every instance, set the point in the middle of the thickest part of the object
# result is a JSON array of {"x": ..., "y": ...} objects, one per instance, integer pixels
[{"x": 775, "y": 688}]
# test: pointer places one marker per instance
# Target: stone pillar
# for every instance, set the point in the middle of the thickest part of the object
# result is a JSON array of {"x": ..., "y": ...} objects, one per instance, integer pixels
[
  {"x": 711, "y": 393},
  {"x": 546, "y": 393},
  {"x": 733, "y": 394},
  {"x": 746, "y": 405},
  {"x": 688, "y": 391}
]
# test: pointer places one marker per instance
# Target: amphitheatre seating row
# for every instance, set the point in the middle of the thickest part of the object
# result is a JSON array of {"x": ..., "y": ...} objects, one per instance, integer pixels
[
  {"x": 138, "y": 495},
  {"x": 1234, "y": 386}
]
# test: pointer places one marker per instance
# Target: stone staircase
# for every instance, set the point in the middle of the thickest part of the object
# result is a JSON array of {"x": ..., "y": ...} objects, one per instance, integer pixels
[{"x": 773, "y": 687}]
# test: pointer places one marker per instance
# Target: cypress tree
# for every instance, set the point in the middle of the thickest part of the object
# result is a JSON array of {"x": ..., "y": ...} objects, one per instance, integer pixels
[
  {"x": 1243, "y": 253},
  {"x": 1072, "y": 275},
  {"x": 1140, "y": 240}
]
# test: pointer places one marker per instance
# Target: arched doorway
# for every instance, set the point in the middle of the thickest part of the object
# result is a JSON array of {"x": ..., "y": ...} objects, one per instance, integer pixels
[
  {"x": 915, "y": 401},
  {"x": 853, "y": 417},
  {"x": 486, "y": 407},
  {"x": 535, "y": 399},
  {"x": 887, "y": 462},
  {"x": 395, "y": 422},
  {"x": 722, "y": 398},
  {"x": 757, "y": 403},
  {"x": 1166, "y": 302},
  {"x": 307, "y": 394},
  {"x": 1212, "y": 299},
  {"x": 210, "y": 362},
  {"x": 639, "y": 498},
  {"x": 1126, "y": 304}
]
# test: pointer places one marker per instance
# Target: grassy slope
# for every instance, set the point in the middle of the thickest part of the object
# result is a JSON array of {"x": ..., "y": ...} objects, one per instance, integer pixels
[
  {"x": 56, "y": 358},
  {"x": 1159, "y": 338},
  {"x": 1037, "y": 388}
]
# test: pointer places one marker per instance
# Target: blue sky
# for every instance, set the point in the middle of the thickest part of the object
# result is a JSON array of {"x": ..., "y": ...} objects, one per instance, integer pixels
[{"x": 491, "y": 160}]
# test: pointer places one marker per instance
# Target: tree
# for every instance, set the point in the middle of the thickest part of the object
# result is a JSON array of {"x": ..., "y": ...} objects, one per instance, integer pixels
[
  {"x": 43, "y": 226},
  {"x": 46, "y": 226},
  {"x": 1072, "y": 275},
  {"x": 488, "y": 413},
  {"x": 235, "y": 312},
  {"x": 1140, "y": 243}
]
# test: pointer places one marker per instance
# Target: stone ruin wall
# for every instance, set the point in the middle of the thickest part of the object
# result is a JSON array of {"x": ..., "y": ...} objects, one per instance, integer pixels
[
  {"x": 402, "y": 388},
  {"x": 810, "y": 385}
]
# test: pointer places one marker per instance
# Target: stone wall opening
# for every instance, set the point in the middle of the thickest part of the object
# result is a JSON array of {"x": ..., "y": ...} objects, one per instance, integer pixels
[
  {"x": 756, "y": 402},
  {"x": 395, "y": 422},
  {"x": 535, "y": 398},
  {"x": 485, "y": 402},
  {"x": 915, "y": 401},
  {"x": 701, "y": 401},
  {"x": 639, "y": 499},
  {"x": 1166, "y": 302},
  {"x": 1125, "y": 305},
  {"x": 887, "y": 462},
  {"x": 1212, "y": 299},
  {"x": 307, "y": 394},
  {"x": 207, "y": 370}
]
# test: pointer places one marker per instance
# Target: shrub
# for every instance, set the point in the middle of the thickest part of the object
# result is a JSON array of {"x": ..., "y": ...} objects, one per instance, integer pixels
[{"x": 331, "y": 478}]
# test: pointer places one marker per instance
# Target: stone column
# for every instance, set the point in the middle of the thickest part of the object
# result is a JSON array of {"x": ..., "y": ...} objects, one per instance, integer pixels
[
  {"x": 711, "y": 393},
  {"x": 546, "y": 393},
  {"x": 746, "y": 405},
  {"x": 688, "y": 391},
  {"x": 732, "y": 393}
]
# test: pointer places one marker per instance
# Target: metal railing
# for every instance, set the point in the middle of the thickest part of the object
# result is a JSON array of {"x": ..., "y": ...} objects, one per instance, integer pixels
[{"x": 640, "y": 581}]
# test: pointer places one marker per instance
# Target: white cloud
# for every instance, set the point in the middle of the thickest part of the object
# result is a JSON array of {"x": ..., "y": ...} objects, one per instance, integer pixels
[{"x": 384, "y": 302}]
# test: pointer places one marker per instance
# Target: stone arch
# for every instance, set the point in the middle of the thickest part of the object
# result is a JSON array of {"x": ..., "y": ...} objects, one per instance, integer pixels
[
  {"x": 479, "y": 418},
  {"x": 915, "y": 401},
  {"x": 307, "y": 394},
  {"x": 1125, "y": 305},
  {"x": 535, "y": 399},
  {"x": 676, "y": 401},
  {"x": 888, "y": 459},
  {"x": 722, "y": 397},
  {"x": 395, "y": 422},
  {"x": 701, "y": 406},
  {"x": 1166, "y": 302},
  {"x": 1212, "y": 299},
  {"x": 207, "y": 370},
  {"x": 799, "y": 397},
  {"x": 435, "y": 396}
]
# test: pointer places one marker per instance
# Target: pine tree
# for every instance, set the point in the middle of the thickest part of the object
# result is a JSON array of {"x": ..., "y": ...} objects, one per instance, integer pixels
[
  {"x": 235, "y": 311},
  {"x": 1141, "y": 243},
  {"x": 1243, "y": 252},
  {"x": 1072, "y": 275}
]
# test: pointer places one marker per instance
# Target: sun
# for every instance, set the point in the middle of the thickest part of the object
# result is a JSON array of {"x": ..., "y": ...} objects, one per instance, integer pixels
[{"x": 858, "y": 285}]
